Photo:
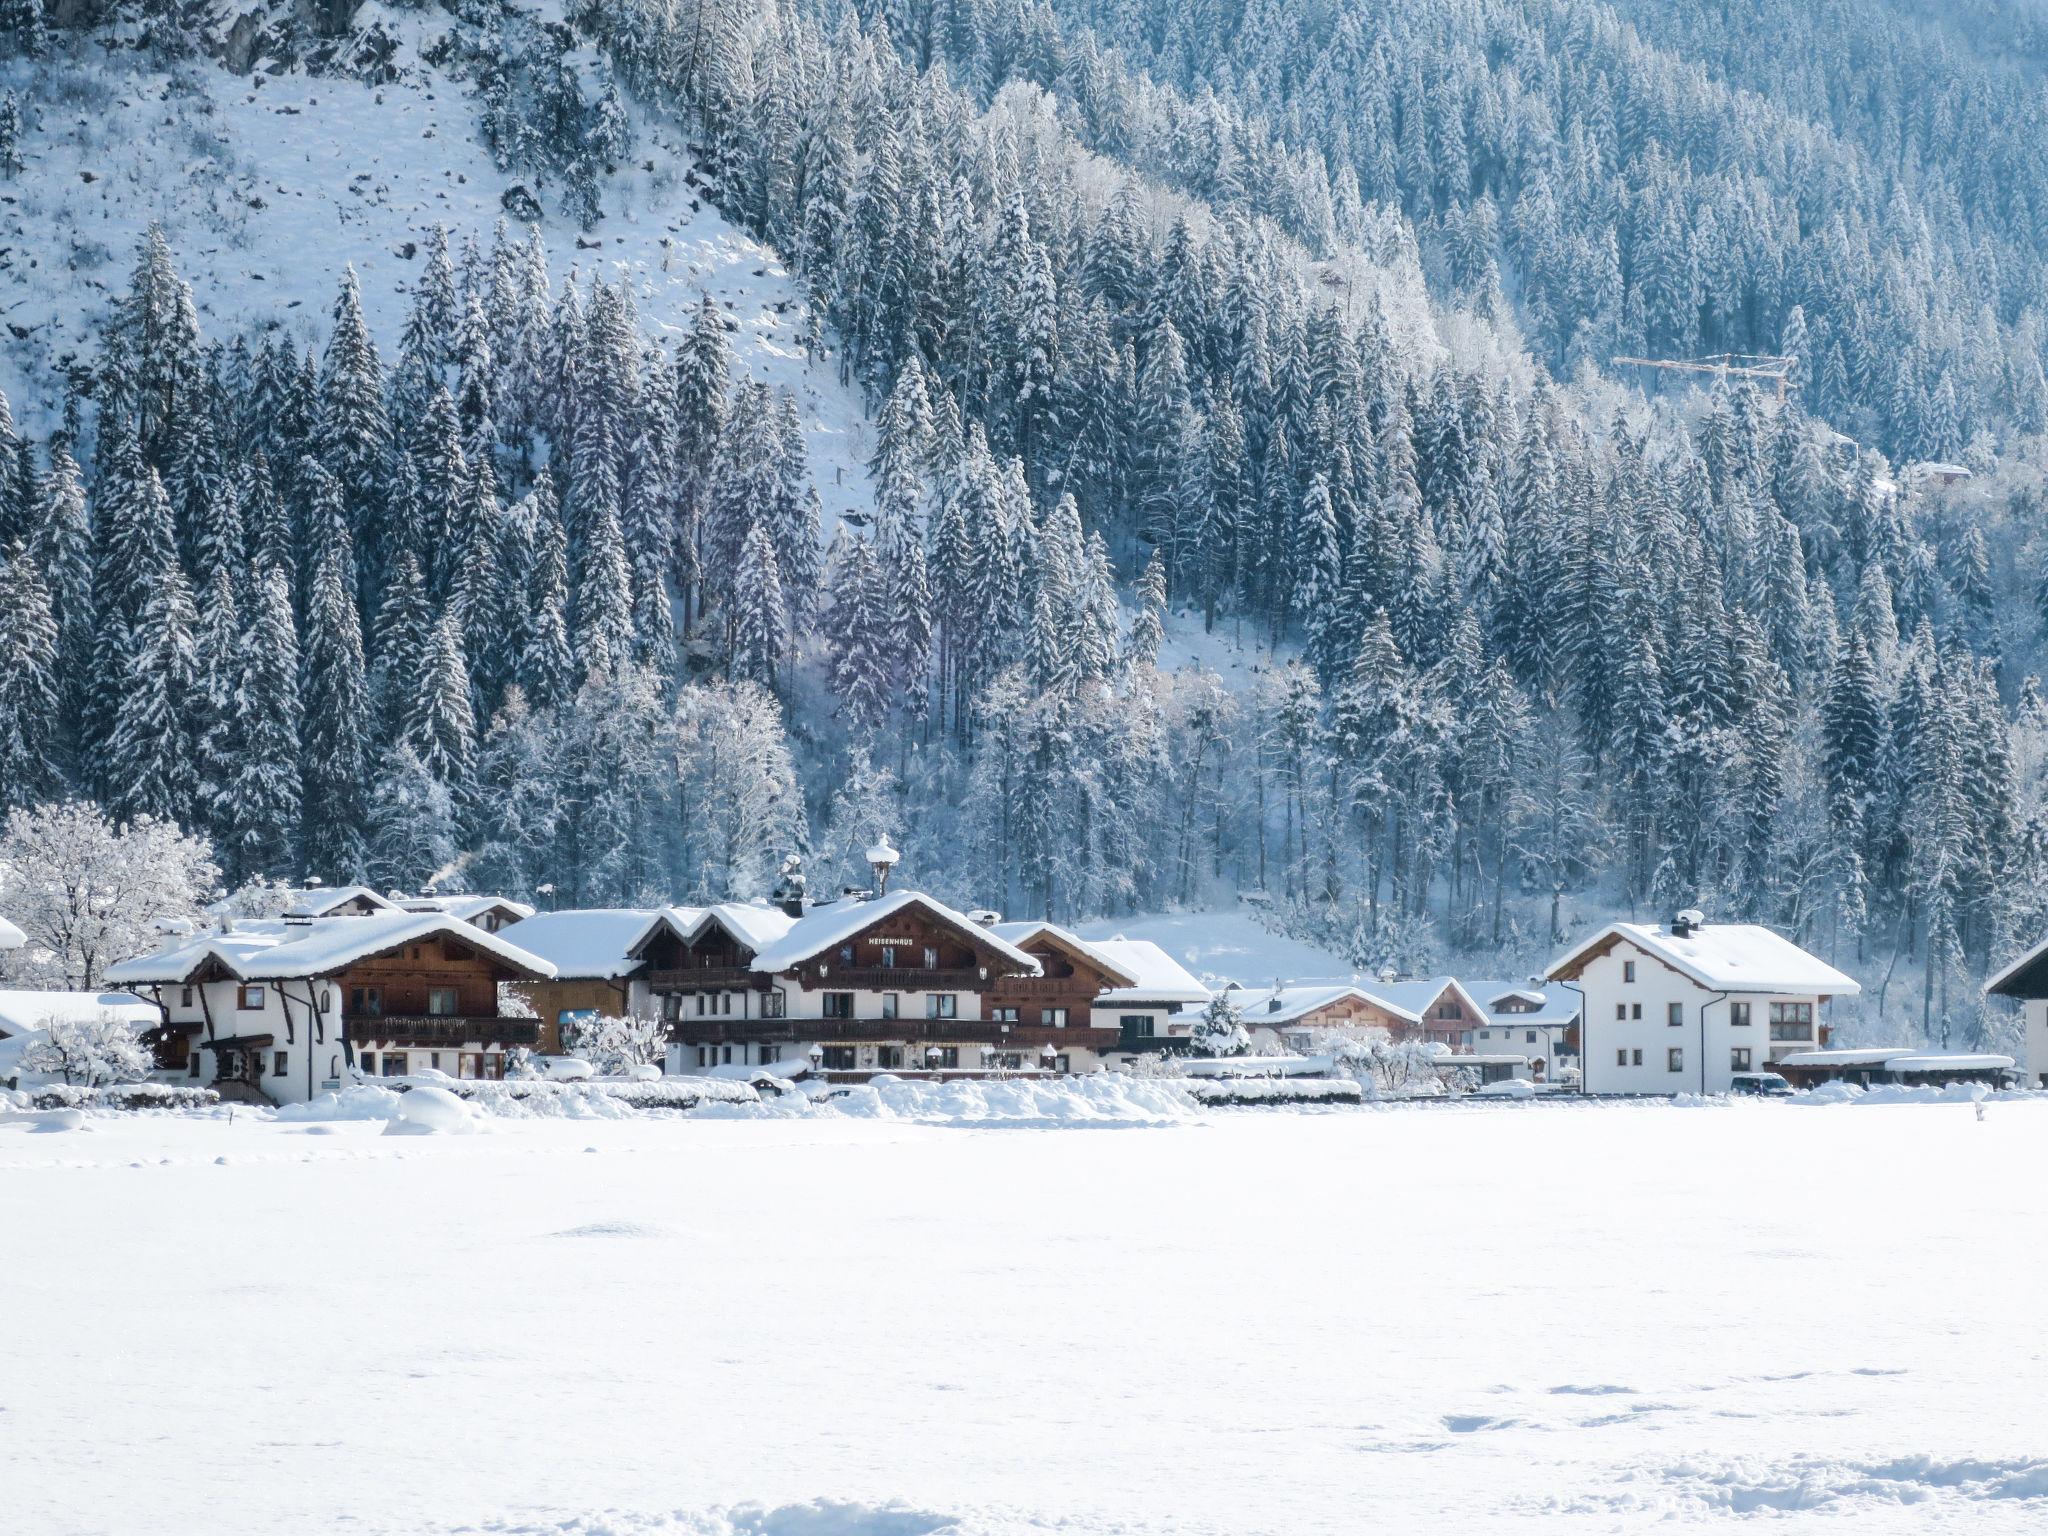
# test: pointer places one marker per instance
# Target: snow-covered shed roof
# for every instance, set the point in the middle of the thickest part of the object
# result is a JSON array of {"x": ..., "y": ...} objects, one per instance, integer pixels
[
  {"x": 820, "y": 928},
  {"x": 274, "y": 949},
  {"x": 1959, "y": 1061},
  {"x": 22, "y": 1011},
  {"x": 1722, "y": 957},
  {"x": 587, "y": 943},
  {"x": 1148, "y": 973},
  {"x": 1846, "y": 1056},
  {"x": 1554, "y": 1003},
  {"x": 11, "y": 937}
]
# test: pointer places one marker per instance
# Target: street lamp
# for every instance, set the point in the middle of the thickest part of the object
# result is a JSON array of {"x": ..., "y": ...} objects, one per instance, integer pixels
[
  {"x": 817, "y": 1056},
  {"x": 932, "y": 1057}
]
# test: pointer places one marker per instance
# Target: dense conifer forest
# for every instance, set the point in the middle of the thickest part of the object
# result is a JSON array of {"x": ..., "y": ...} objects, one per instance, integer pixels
[{"x": 1285, "y": 326}]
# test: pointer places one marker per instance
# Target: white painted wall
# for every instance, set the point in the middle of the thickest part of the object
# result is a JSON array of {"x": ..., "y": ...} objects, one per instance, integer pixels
[
  {"x": 1705, "y": 1035},
  {"x": 1545, "y": 1042},
  {"x": 2036, "y": 1062}
]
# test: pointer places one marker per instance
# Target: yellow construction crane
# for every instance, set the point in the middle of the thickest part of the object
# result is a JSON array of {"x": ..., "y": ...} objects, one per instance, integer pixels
[{"x": 1727, "y": 365}]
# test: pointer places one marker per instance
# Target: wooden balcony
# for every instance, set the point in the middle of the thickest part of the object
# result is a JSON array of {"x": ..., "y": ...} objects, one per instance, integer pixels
[
  {"x": 897, "y": 978},
  {"x": 441, "y": 1029},
  {"x": 699, "y": 977},
  {"x": 886, "y": 1031}
]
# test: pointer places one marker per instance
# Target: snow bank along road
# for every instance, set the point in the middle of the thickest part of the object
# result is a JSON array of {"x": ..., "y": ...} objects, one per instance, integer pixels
[{"x": 1598, "y": 1318}]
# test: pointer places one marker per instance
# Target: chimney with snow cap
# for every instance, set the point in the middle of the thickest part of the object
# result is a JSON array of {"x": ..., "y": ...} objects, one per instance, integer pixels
[
  {"x": 882, "y": 858},
  {"x": 1684, "y": 923},
  {"x": 789, "y": 892}
]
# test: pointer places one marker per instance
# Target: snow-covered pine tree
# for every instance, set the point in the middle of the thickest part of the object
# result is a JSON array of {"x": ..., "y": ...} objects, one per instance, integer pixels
[
  {"x": 30, "y": 689},
  {"x": 859, "y": 633},
  {"x": 336, "y": 735},
  {"x": 759, "y": 624},
  {"x": 258, "y": 809}
]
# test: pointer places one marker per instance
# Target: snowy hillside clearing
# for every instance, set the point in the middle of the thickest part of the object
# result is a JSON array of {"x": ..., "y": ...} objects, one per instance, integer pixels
[
  {"x": 268, "y": 184},
  {"x": 932, "y": 1330}
]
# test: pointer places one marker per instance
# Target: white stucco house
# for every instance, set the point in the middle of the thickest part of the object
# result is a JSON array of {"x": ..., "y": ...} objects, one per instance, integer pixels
[
  {"x": 2026, "y": 981},
  {"x": 1688, "y": 1006}
]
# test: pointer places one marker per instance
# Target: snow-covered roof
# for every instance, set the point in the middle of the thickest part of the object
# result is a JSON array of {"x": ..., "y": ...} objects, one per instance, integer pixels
[
  {"x": 468, "y": 908},
  {"x": 1554, "y": 1002},
  {"x": 588, "y": 943},
  {"x": 22, "y": 1011},
  {"x": 1723, "y": 957},
  {"x": 1148, "y": 973},
  {"x": 1848, "y": 1056},
  {"x": 1412, "y": 1000},
  {"x": 822, "y": 927},
  {"x": 1157, "y": 976},
  {"x": 756, "y": 924},
  {"x": 1266, "y": 1006},
  {"x": 11, "y": 937},
  {"x": 319, "y": 900},
  {"x": 265, "y": 949}
]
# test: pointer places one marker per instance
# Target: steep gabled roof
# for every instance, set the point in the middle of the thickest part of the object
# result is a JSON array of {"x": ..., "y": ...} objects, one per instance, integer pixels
[
  {"x": 1077, "y": 947},
  {"x": 274, "y": 949},
  {"x": 754, "y": 924},
  {"x": 1138, "y": 970},
  {"x": 822, "y": 927},
  {"x": 1722, "y": 957}
]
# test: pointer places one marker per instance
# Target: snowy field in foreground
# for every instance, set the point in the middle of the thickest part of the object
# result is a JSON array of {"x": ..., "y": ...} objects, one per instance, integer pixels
[{"x": 1551, "y": 1317}]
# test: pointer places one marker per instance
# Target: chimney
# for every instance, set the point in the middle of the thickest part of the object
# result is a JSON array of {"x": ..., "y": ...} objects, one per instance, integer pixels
[
  {"x": 882, "y": 858},
  {"x": 1684, "y": 923},
  {"x": 789, "y": 892},
  {"x": 311, "y": 883}
]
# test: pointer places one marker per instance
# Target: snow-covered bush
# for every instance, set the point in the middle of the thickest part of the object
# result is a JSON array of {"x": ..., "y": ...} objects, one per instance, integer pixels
[
  {"x": 617, "y": 1043},
  {"x": 89, "y": 1053},
  {"x": 1220, "y": 1031},
  {"x": 89, "y": 893}
]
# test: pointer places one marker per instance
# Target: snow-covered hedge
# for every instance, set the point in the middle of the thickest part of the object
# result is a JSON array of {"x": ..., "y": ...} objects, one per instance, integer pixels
[
  {"x": 1102, "y": 1098},
  {"x": 597, "y": 1097},
  {"x": 1218, "y": 1093},
  {"x": 122, "y": 1096}
]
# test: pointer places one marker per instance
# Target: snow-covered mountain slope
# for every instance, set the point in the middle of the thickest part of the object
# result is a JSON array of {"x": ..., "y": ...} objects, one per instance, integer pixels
[{"x": 267, "y": 184}]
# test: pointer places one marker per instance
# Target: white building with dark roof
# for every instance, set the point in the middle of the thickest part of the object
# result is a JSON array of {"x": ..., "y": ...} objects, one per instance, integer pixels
[{"x": 1689, "y": 1006}]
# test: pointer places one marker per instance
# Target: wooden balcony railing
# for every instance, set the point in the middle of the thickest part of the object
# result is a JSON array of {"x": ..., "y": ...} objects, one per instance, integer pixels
[
  {"x": 442, "y": 1029},
  {"x": 688, "y": 977},
  {"x": 900, "y": 978}
]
